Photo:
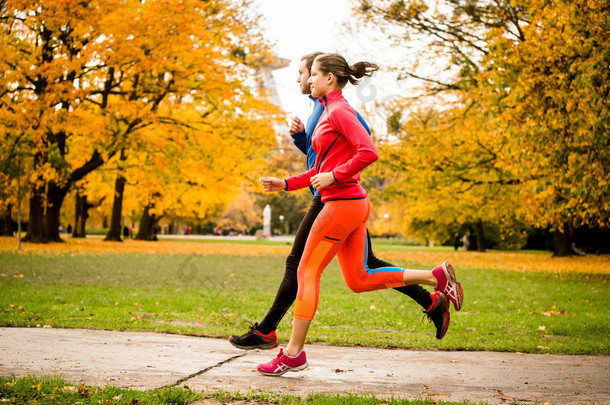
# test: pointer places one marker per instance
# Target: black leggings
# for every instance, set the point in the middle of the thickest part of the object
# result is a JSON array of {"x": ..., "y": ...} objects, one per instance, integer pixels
[{"x": 287, "y": 292}]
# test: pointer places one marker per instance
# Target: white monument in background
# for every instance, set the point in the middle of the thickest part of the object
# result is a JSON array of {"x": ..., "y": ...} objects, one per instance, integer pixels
[
  {"x": 267, "y": 221},
  {"x": 264, "y": 76}
]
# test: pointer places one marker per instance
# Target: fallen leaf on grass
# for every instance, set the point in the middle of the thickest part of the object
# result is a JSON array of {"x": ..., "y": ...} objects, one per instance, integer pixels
[
  {"x": 83, "y": 390},
  {"x": 552, "y": 313}
]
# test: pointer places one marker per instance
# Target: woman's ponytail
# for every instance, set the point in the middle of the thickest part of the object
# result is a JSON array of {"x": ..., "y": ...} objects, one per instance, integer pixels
[
  {"x": 361, "y": 69},
  {"x": 338, "y": 66}
]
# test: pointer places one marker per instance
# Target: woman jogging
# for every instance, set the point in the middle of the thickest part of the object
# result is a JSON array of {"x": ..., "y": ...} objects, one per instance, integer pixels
[
  {"x": 343, "y": 149},
  {"x": 262, "y": 335}
]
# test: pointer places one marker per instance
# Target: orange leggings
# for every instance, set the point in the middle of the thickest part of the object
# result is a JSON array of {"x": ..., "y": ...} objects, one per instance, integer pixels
[{"x": 340, "y": 229}]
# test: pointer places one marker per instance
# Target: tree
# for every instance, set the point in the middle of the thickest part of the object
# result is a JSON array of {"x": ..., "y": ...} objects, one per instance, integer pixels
[
  {"x": 521, "y": 126},
  {"x": 90, "y": 76},
  {"x": 195, "y": 172},
  {"x": 242, "y": 214},
  {"x": 550, "y": 91},
  {"x": 445, "y": 161},
  {"x": 47, "y": 57},
  {"x": 444, "y": 170},
  {"x": 13, "y": 175}
]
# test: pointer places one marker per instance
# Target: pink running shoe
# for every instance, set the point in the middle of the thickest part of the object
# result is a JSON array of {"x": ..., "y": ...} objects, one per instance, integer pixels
[
  {"x": 448, "y": 284},
  {"x": 284, "y": 363}
]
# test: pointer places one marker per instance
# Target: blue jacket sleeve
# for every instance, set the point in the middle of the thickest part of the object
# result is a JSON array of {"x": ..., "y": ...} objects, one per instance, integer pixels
[
  {"x": 300, "y": 141},
  {"x": 363, "y": 122}
]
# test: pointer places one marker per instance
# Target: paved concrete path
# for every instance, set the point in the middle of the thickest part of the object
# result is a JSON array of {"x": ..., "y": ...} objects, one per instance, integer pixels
[{"x": 152, "y": 360}]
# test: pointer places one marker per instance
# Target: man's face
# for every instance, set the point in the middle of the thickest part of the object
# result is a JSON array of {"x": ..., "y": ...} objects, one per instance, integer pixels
[{"x": 303, "y": 78}]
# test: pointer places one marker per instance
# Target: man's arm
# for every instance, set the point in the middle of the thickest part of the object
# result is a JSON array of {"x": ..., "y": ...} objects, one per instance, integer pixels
[{"x": 299, "y": 136}]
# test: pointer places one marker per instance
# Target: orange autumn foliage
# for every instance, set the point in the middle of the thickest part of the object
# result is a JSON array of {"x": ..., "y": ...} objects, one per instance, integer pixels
[
  {"x": 512, "y": 129},
  {"x": 161, "y": 92}
]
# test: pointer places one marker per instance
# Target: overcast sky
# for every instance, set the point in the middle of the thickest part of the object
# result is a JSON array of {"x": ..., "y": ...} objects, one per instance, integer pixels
[{"x": 289, "y": 24}]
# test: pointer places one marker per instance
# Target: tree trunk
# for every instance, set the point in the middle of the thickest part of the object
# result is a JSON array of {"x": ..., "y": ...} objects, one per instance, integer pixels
[
  {"x": 147, "y": 225},
  {"x": 114, "y": 234},
  {"x": 35, "y": 232},
  {"x": 80, "y": 205},
  {"x": 562, "y": 238},
  {"x": 480, "y": 236},
  {"x": 44, "y": 223},
  {"x": 77, "y": 215},
  {"x": 472, "y": 241},
  {"x": 55, "y": 199},
  {"x": 6, "y": 222},
  {"x": 81, "y": 229},
  {"x": 82, "y": 213}
]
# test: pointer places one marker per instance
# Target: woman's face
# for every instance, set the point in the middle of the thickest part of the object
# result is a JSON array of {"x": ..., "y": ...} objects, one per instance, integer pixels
[{"x": 318, "y": 81}]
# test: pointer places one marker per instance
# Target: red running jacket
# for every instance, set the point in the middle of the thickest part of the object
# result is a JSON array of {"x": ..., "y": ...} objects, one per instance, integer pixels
[{"x": 343, "y": 147}]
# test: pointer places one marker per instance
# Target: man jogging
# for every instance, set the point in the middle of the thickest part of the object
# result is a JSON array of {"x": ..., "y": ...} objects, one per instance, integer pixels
[{"x": 262, "y": 335}]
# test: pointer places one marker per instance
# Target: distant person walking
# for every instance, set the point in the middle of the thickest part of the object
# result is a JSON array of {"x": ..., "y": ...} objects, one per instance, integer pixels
[{"x": 466, "y": 242}]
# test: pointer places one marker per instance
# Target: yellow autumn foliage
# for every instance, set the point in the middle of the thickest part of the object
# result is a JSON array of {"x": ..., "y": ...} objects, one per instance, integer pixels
[
  {"x": 513, "y": 133},
  {"x": 160, "y": 94}
]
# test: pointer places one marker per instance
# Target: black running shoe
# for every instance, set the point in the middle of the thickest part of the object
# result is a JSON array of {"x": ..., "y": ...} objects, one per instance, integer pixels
[
  {"x": 253, "y": 339},
  {"x": 438, "y": 313}
]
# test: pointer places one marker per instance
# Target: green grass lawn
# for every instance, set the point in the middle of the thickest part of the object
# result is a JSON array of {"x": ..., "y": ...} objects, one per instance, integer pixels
[
  {"x": 55, "y": 390},
  {"x": 217, "y": 295}
]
